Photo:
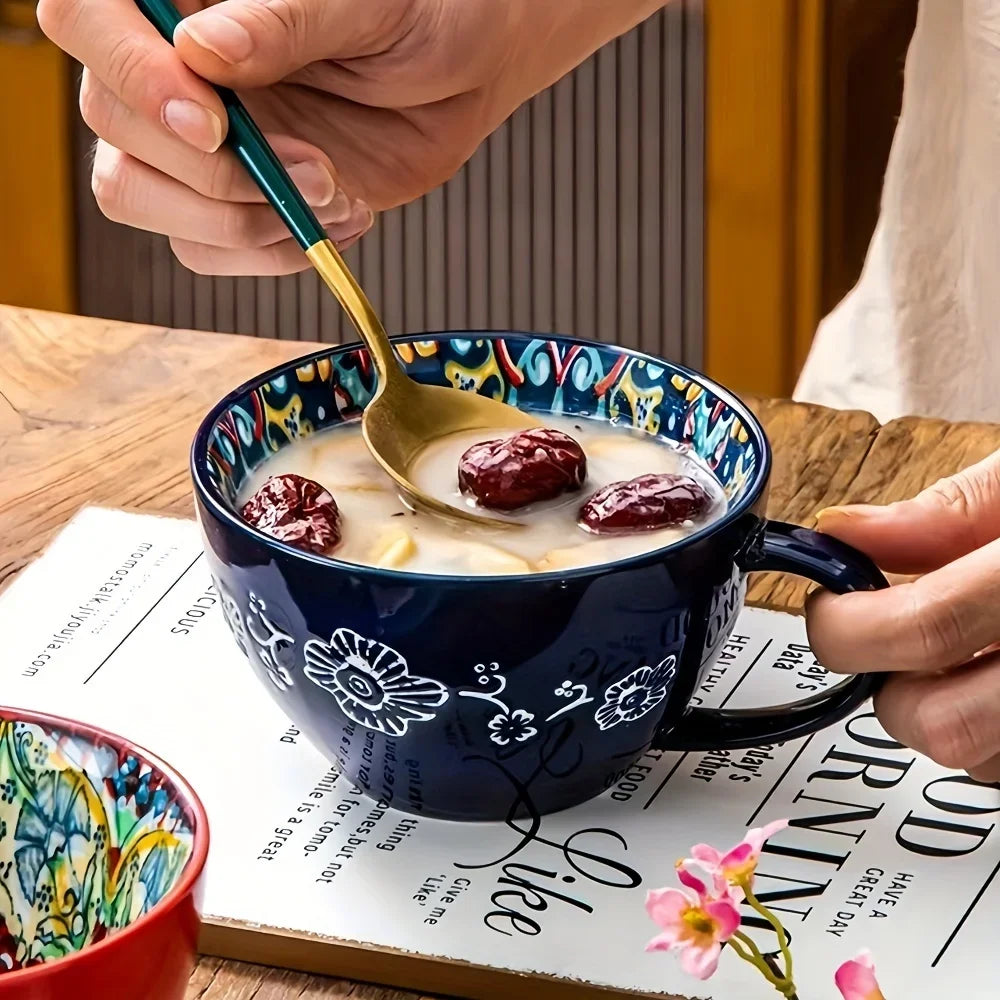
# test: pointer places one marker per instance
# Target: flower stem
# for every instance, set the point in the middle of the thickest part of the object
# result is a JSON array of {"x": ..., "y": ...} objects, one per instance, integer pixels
[
  {"x": 765, "y": 964},
  {"x": 787, "y": 986},
  {"x": 775, "y": 923},
  {"x": 753, "y": 949},
  {"x": 756, "y": 960}
]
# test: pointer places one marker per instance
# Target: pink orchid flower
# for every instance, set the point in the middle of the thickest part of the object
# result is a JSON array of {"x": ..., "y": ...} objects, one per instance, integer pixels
[
  {"x": 693, "y": 923},
  {"x": 721, "y": 887},
  {"x": 687, "y": 878},
  {"x": 856, "y": 979},
  {"x": 739, "y": 864}
]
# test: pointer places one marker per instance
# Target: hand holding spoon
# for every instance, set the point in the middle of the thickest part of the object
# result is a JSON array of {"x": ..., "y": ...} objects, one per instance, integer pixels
[{"x": 404, "y": 416}]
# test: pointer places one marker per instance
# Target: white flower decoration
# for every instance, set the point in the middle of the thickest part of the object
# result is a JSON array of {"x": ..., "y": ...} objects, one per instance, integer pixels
[
  {"x": 273, "y": 646},
  {"x": 632, "y": 697},
  {"x": 234, "y": 617},
  {"x": 513, "y": 726},
  {"x": 371, "y": 682}
]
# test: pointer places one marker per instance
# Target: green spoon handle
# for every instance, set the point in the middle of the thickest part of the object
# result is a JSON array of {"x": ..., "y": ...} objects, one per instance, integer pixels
[{"x": 249, "y": 144}]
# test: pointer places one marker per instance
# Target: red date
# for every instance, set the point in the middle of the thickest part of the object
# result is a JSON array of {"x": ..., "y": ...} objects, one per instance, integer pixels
[
  {"x": 534, "y": 465},
  {"x": 295, "y": 510},
  {"x": 645, "y": 504}
]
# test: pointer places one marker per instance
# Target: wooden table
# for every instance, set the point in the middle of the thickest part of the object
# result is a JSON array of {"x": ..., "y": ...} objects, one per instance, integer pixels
[{"x": 97, "y": 412}]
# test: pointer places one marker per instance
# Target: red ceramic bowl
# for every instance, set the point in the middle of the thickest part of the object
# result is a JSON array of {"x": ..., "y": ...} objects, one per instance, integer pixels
[{"x": 102, "y": 849}]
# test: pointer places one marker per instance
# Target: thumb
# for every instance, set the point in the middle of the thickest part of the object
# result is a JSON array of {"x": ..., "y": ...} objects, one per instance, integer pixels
[
  {"x": 254, "y": 43},
  {"x": 944, "y": 522}
]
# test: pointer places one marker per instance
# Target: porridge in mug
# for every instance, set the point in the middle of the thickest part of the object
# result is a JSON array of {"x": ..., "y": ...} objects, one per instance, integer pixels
[{"x": 585, "y": 492}]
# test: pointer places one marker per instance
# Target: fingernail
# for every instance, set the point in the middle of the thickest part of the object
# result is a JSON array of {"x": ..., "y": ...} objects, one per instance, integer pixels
[
  {"x": 193, "y": 123},
  {"x": 355, "y": 226},
  {"x": 830, "y": 514},
  {"x": 227, "y": 38},
  {"x": 316, "y": 183},
  {"x": 362, "y": 218},
  {"x": 340, "y": 208}
]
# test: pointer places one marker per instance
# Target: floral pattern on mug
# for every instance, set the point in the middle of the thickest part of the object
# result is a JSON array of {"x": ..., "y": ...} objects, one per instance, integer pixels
[
  {"x": 273, "y": 645},
  {"x": 371, "y": 682},
  {"x": 512, "y": 727},
  {"x": 234, "y": 617},
  {"x": 635, "y": 695}
]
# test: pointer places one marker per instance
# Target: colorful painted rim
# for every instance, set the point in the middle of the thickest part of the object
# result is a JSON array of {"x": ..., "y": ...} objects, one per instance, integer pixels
[
  {"x": 190, "y": 874},
  {"x": 212, "y": 497}
]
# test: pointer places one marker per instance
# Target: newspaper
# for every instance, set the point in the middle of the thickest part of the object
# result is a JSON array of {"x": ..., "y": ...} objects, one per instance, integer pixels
[{"x": 118, "y": 625}]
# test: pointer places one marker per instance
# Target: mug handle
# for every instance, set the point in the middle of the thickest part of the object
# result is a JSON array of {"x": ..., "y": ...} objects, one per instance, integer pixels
[{"x": 787, "y": 548}]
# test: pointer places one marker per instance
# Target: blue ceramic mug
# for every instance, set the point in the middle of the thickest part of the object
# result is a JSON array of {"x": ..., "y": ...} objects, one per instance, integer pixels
[{"x": 477, "y": 697}]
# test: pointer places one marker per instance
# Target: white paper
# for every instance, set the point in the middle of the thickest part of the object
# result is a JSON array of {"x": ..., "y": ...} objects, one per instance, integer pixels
[{"x": 118, "y": 625}]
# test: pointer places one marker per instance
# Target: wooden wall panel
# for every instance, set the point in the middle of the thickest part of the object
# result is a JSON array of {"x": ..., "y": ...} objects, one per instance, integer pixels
[
  {"x": 750, "y": 192},
  {"x": 582, "y": 214},
  {"x": 36, "y": 216},
  {"x": 802, "y": 98}
]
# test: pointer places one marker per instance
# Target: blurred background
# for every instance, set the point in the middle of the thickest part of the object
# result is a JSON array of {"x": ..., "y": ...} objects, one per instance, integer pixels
[{"x": 703, "y": 188}]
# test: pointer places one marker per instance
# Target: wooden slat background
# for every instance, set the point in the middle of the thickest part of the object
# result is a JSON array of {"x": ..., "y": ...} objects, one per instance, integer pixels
[{"x": 582, "y": 214}]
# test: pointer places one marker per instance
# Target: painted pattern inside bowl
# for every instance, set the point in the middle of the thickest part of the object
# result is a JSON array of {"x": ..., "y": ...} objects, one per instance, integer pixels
[
  {"x": 556, "y": 375},
  {"x": 91, "y": 838}
]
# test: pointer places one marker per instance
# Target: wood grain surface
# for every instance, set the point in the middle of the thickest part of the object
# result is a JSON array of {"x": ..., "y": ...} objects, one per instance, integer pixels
[{"x": 98, "y": 412}]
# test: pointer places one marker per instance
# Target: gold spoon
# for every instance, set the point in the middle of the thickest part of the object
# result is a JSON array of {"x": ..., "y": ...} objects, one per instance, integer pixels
[{"x": 404, "y": 416}]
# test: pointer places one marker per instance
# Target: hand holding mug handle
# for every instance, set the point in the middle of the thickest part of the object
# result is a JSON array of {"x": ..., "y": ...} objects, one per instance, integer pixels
[{"x": 787, "y": 548}]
